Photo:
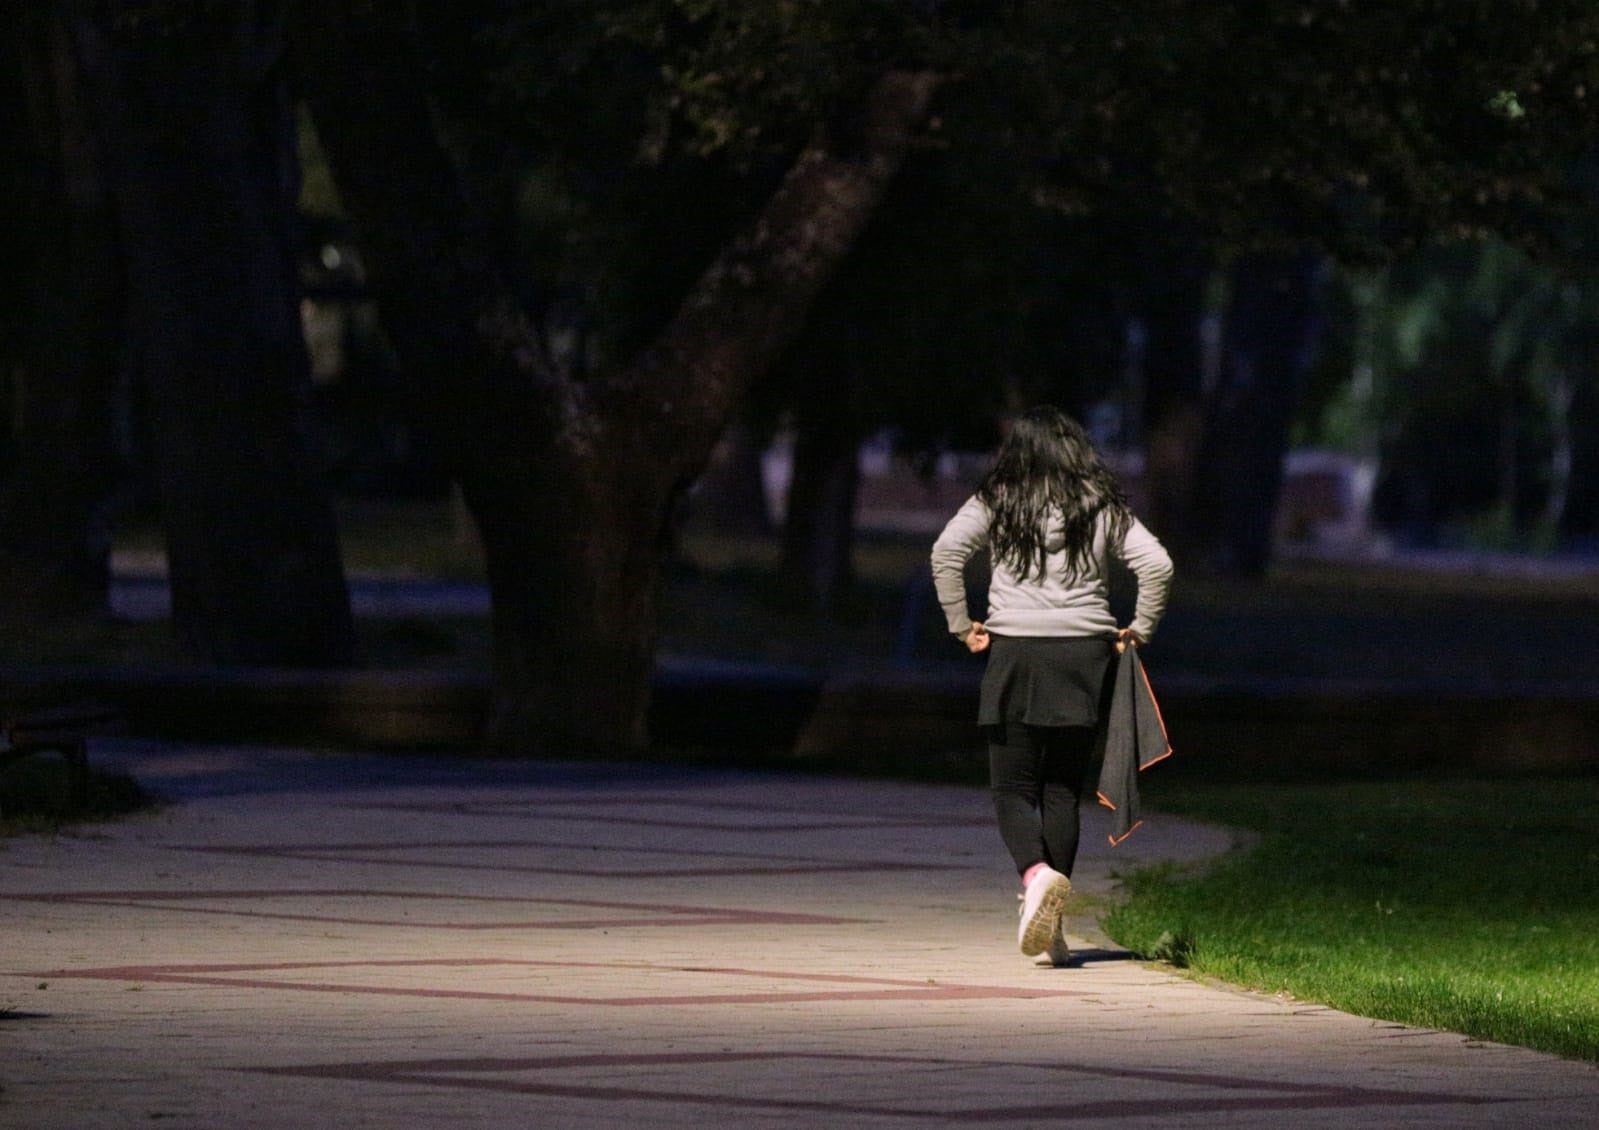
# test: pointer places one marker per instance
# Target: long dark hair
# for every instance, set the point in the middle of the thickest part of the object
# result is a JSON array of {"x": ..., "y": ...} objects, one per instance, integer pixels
[{"x": 1046, "y": 467}]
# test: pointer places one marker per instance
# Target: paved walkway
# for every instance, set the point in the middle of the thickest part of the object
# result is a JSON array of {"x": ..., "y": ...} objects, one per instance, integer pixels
[{"x": 347, "y": 941}]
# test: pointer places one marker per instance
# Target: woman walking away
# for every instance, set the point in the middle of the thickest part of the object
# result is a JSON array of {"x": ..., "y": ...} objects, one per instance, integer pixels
[{"x": 1052, "y": 518}]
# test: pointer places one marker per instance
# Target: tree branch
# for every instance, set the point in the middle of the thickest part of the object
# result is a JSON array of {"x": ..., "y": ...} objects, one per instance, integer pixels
[
  {"x": 753, "y": 300},
  {"x": 434, "y": 267}
]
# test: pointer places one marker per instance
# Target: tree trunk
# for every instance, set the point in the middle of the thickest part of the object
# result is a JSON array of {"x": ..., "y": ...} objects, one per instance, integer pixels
[
  {"x": 1172, "y": 423},
  {"x": 194, "y": 125},
  {"x": 1508, "y": 460},
  {"x": 1218, "y": 430},
  {"x": 730, "y": 497},
  {"x": 61, "y": 460},
  {"x": 571, "y": 481},
  {"x": 817, "y": 566},
  {"x": 575, "y": 617},
  {"x": 1561, "y": 394},
  {"x": 1271, "y": 332},
  {"x": 1580, "y": 512}
]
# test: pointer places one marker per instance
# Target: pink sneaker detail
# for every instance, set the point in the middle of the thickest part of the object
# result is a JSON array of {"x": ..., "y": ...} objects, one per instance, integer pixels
[{"x": 1042, "y": 906}]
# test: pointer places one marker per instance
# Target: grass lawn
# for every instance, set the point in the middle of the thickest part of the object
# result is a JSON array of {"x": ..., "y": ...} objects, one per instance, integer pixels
[{"x": 1471, "y": 906}]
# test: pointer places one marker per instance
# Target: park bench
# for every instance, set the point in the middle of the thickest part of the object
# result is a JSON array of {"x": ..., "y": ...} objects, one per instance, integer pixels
[{"x": 58, "y": 729}]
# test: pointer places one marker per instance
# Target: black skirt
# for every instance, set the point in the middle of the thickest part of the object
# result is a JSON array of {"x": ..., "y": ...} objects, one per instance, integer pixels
[{"x": 1045, "y": 680}]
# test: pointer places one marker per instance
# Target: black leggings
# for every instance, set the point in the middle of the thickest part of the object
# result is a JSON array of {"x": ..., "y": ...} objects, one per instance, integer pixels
[{"x": 1037, "y": 775}]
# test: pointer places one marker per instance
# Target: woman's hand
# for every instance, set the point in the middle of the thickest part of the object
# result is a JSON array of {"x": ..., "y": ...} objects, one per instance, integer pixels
[
  {"x": 1127, "y": 638},
  {"x": 976, "y": 638}
]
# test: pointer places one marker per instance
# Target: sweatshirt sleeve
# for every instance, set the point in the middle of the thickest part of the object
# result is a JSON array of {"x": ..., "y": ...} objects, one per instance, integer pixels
[
  {"x": 965, "y": 535},
  {"x": 1152, "y": 566}
]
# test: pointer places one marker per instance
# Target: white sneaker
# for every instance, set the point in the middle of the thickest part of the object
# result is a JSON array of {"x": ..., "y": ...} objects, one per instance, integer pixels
[
  {"x": 1059, "y": 952},
  {"x": 1042, "y": 905}
]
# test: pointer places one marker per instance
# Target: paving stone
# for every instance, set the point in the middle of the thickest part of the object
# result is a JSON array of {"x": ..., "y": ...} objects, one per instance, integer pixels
[{"x": 307, "y": 939}]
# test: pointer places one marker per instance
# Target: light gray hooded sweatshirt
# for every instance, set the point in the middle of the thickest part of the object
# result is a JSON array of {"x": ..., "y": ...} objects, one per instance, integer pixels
[{"x": 1053, "y": 604}]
